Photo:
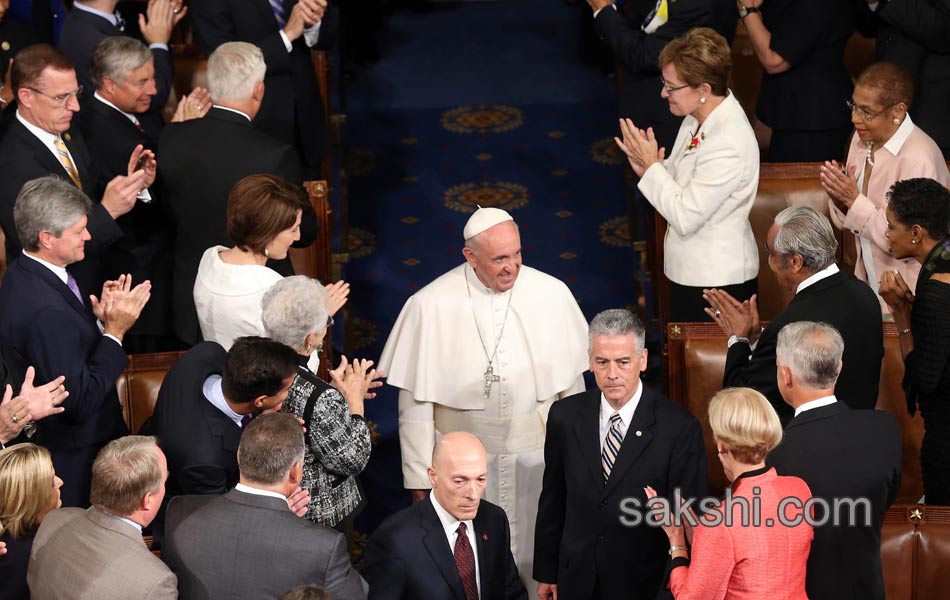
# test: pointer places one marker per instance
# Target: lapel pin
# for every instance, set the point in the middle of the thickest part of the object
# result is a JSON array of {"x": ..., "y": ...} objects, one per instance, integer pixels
[
  {"x": 67, "y": 137},
  {"x": 639, "y": 433},
  {"x": 485, "y": 537},
  {"x": 5, "y": 45}
]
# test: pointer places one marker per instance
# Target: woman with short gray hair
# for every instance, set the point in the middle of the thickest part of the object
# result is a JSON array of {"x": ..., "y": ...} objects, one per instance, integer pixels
[{"x": 295, "y": 313}]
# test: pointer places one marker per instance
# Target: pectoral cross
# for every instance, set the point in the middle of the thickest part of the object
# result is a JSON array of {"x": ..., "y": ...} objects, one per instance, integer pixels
[{"x": 490, "y": 378}]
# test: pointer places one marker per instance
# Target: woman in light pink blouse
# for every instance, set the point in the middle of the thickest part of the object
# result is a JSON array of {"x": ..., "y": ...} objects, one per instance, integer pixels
[{"x": 886, "y": 147}]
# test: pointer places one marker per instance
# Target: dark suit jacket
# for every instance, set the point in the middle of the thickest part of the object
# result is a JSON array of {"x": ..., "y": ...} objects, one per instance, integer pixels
[
  {"x": 24, "y": 157},
  {"x": 850, "y": 307},
  {"x": 639, "y": 55},
  {"x": 580, "y": 542},
  {"x": 200, "y": 442},
  {"x": 45, "y": 326},
  {"x": 811, "y": 35},
  {"x": 292, "y": 110},
  {"x": 14, "y": 36},
  {"x": 409, "y": 558},
  {"x": 200, "y": 161},
  {"x": 841, "y": 453},
  {"x": 252, "y": 547},
  {"x": 82, "y": 31},
  {"x": 145, "y": 248},
  {"x": 913, "y": 33}
]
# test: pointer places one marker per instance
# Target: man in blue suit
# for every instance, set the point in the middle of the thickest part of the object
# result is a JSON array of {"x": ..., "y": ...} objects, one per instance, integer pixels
[
  {"x": 46, "y": 324},
  {"x": 452, "y": 545}
]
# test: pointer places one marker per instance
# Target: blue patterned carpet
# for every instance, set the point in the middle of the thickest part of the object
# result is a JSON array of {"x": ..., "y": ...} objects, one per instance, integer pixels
[{"x": 478, "y": 103}]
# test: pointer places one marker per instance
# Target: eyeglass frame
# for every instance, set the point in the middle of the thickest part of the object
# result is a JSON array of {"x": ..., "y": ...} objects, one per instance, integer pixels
[
  {"x": 866, "y": 115},
  {"x": 61, "y": 99},
  {"x": 669, "y": 90}
]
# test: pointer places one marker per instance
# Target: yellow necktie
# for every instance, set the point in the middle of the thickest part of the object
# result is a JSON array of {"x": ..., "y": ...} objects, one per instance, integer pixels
[{"x": 66, "y": 161}]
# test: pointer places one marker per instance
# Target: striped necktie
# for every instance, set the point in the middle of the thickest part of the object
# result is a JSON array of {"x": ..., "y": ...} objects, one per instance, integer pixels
[
  {"x": 611, "y": 446},
  {"x": 63, "y": 155},
  {"x": 279, "y": 13}
]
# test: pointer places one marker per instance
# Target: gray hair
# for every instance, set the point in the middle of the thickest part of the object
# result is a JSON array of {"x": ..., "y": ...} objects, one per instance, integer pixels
[
  {"x": 617, "y": 321},
  {"x": 115, "y": 56},
  {"x": 270, "y": 445},
  {"x": 293, "y": 308},
  {"x": 233, "y": 71},
  {"x": 806, "y": 232},
  {"x": 812, "y": 351},
  {"x": 47, "y": 204},
  {"x": 125, "y": 470}
]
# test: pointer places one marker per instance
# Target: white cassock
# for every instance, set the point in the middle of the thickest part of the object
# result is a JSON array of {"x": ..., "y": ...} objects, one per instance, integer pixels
[{"x": 436, "y": 359}]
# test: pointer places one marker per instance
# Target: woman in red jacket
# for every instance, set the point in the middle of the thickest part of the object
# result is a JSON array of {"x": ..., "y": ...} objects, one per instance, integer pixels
[{"x": 755, "y": 543}]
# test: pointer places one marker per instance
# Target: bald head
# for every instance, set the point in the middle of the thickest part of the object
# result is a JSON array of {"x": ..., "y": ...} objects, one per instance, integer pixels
[{"x": 458, "y": 474}]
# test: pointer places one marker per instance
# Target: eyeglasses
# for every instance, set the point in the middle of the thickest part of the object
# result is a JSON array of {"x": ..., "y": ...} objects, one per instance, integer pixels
[
  {"x": 61, "y": 99},
  {"x": 670, "y": 89},
  {"x": 864, "y": 113}
]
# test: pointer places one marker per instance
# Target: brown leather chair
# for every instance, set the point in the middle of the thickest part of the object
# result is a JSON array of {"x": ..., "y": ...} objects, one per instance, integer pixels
[
  {"x": 697, "y": 357},
  {"x": 915, "y": 551},
  {"x": 139, "y": 384}
]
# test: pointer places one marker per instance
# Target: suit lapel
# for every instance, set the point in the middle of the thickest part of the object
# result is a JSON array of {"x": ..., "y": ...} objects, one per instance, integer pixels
[
  {"x": 633, "y": 444},
  {"x": 54, "y": 282},
  {"x": 221, "y": 426},
  {"x": 79, "y": 152},
  {"x": 41, "y": 153},
  {"x": 587, "y": 429},
  {"x": 438, "y": 547}
]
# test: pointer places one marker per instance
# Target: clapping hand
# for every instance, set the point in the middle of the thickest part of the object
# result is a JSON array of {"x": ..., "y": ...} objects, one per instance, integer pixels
[
  {"x": 339, "y": 292},
  {"x": 734, "y": 317},
  {"x": 143, "y": 160},
  {"x": 193, "y": 106},
  {"x": 896, "y": 293},
  {"x": 354, "y": 380},
  {"x": 841, "y": 186},
  {"x": 679, "y": 533},
  {"x": 639, "y": 146}
]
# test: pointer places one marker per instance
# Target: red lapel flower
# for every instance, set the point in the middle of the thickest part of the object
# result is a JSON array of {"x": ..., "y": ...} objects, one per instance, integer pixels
[
  {"x": 485, "y": 536},
  {"x": 694, "y": 142}
]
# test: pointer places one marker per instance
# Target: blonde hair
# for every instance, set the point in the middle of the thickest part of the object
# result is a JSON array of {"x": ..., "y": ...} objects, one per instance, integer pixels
[
  {"x": 745, "y": 424},
  {"x": 26, "y": 477},
  {"x": 700, "y": 56},
  {"x": 124, "y": 471}
]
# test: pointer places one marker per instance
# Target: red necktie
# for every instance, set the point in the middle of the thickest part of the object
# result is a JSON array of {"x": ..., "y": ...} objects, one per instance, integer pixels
[{"x": 465, "y": 562}]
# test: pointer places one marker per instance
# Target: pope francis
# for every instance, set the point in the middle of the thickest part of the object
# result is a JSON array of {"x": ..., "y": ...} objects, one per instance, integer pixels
[{"x": 487, "y": 348}]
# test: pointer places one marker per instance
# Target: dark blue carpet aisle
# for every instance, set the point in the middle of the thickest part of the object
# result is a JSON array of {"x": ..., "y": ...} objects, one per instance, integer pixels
[{"x": 476, "y": 103}]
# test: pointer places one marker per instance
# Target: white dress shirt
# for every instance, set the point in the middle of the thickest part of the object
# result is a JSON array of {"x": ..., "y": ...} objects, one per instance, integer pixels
[
  {"x": 626, "y": 413},
  {"x": 234, "y": 110},
  {"x": 816, "y": 277},
  {"x": 450, "y": 524},
  {"x": 816, "y": 403},
  {"x": 259, "y": 492},
  {"x": 211, "y": 389}
]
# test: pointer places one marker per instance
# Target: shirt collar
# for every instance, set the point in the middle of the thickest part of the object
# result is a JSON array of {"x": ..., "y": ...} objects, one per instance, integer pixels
[
  {"x": 107, "y": 16},
  {"x": 449, "y": 523},
  {"x": 817, "y": 403},
  {"x": 900, "y": 136},
  {"x": 626, "y": 411},
  {"x": 815, "y": 278},
  {"x": 137, "y": 526},
  {"x": 258, "y": 492},
  {"x": 234, "y": 110},
  {"x": 211, "y": 389},
  {"x": 46, "y": 137},
  {"x": 128, "y": 116},
  {"x": 56, "y": 269}
]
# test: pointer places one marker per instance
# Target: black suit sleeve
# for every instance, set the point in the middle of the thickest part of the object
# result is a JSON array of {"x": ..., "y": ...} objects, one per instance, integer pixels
[
  {"x": 745, "y": 368},
  {"x": 385, "y": 570},
  {"x": 926, "y": 21},
  {"x": 552, "y": 503},
  {"x": 214, "y": 25},
  {"x": 162, "y": 59},
  {"x": 51, "y": 347},
  {"x": 639, "y": 52},
  {"x": 688, "y": 469},
  {"x": 204, "y": 480}
]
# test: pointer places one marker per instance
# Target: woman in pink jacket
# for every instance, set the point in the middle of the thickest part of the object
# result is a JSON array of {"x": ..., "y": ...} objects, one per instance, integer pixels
[{"x": 755, "y": 544}]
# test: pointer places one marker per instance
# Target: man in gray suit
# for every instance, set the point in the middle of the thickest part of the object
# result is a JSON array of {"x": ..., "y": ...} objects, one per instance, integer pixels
[
  {"x": 247, "y": 544},
  {"x": 98, "y": 553}
]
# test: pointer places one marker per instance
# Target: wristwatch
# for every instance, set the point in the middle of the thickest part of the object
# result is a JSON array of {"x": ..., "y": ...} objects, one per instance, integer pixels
[{"x": 747, "y": 10}]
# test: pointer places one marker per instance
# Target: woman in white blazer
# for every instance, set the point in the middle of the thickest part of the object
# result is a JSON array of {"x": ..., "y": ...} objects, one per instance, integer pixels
[{"x": 706, "y": 185}]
